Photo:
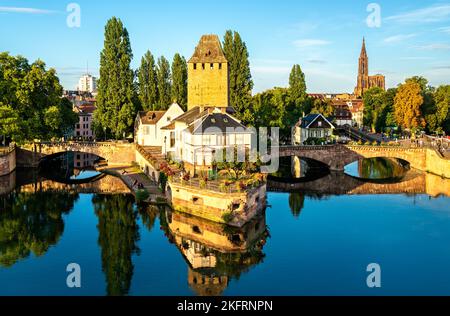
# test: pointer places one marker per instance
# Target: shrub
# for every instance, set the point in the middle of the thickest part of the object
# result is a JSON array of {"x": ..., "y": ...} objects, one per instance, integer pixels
[
  {"x": 142, "y": 195},
  {"x": 227, "y": 217}
]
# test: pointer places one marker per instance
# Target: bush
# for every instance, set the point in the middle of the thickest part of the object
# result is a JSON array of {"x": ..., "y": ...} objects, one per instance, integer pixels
[
  {"x": 227, "y": 217},
  {"x": 142, "y": 195}
]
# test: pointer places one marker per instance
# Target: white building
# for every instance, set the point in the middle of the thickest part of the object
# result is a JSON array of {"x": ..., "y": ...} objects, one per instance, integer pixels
[
  {"x": 202, "y": 134},
  {"x": 150, "y": 131},
  {"x": 312, "y": 126},
  {"x": 87, "y": 83}
]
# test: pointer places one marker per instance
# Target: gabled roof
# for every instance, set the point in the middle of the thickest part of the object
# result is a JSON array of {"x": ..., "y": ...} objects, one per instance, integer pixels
[
  {"x": 191, "y": 115},
  {"x": 150, "y": 117},
  {"x": 208, "y": 50},
  {"x": 311, "y": 118},
  {"x": 217, "y": 122}
]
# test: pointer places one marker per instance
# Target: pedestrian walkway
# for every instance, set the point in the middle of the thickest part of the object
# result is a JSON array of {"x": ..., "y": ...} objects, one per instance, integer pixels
[{"x": 135, "y": 180}]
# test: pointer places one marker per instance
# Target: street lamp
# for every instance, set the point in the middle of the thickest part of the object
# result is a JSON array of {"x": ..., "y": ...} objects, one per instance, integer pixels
[{"x": 165, "y": 146}]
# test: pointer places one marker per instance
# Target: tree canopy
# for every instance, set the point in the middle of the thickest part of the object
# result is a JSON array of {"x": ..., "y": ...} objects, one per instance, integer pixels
[
  {"x": 179, "y": 80},
  {"x": 148, "y": 82},
  {"x": 240, "y": 77},
  {"x": 31, "y": 102},
  {"x": 116, "y": 109}
]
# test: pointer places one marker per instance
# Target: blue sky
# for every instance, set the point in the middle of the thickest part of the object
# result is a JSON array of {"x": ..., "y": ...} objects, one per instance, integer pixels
[{"x": 323, "y": 36}]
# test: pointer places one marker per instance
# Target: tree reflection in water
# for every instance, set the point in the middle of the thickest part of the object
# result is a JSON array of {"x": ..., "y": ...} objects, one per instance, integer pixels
[
  {"x": 118, "y": 236},
  {"x": 31, "y": 223}
]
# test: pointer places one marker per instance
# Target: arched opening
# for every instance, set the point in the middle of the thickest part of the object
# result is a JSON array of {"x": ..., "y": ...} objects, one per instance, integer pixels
[
  {"x": 296, "y": 169},
  {"x": 378, "y": 169},
  {"x": 71, "y": 167}
]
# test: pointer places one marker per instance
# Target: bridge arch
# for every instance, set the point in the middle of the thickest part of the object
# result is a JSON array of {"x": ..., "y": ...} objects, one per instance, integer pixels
[{"x": 115, "y": 153}]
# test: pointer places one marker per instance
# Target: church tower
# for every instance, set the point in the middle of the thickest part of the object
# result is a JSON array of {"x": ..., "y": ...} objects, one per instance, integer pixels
[
  {"x": 365, "y": 81},
  {"x": 363, "y": 72},
  {"x": 208, "y": 75}
]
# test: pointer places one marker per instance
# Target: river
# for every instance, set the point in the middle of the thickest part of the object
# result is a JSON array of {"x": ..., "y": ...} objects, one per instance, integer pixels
[{"x": 308, "y": 242}]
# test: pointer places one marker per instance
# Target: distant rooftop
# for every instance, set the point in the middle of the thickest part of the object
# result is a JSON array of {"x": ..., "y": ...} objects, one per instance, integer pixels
[{"x": 208, "y": 50}]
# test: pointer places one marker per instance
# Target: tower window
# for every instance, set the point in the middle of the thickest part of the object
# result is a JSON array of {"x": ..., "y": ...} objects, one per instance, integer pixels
[
  {"x": 220, "y": 65},
  {"x": 203, "y": 66},
  {"x": 195, "y": 66},
  {"x": 211, "y": 66}
]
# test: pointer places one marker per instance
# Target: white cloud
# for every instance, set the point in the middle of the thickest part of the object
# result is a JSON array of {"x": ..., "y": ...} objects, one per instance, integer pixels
[
  {"x": 307, "y": 43},
  {"x": 316, "y": 61},
  {"x": 399, "y": 38},
  {"x": 445, "y": 29},
  {"x": 25, "y": 10},
  {"x": 434, "y": 46},
  {"x": 434, "y": 13},
  {"x": 415, "y": 58}
]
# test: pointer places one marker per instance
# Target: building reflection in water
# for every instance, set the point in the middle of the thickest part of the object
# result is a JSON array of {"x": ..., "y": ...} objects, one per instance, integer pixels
[{"x": 216, "y": 253}]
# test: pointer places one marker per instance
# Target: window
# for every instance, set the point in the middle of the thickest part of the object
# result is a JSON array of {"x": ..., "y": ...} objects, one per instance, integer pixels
[
  {"x": 195, "y": 66},
  {"x": 211, "y": 66},
  {"x": 203, "y": 66},
  {"x": 239, "y": 139},
  {"x": 320, "y": 123},
  {"x": 220, "y": 66}
]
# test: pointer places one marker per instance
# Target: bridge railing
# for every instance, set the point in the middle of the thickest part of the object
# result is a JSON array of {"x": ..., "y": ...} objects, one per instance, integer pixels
[
  {"x": 4, "y": 151},
  {"x": 76, "y": 143}
]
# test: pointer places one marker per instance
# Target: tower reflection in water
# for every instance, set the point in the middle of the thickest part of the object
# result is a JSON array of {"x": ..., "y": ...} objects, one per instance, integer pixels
[{"x": 216, "y": 253}]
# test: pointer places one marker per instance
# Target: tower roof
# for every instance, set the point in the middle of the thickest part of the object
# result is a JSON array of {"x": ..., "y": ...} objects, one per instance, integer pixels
[
  {"x": 208, "y": 50},
  {"x": 363, "y": 48}
]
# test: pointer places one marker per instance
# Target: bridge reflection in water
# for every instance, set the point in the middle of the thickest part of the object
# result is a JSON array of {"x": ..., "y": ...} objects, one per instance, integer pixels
[
  {"x": 215, "y": 253},
  {"x": 366, "y": 177}
]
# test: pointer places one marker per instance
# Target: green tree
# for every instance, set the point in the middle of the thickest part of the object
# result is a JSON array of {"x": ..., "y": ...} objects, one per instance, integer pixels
[
  {"x": 442, "y": 103},
  {"x": 324, "y": 107},
  {"x": 10, "y": 124},
  {"x": 179, "y": 81},
  {"x": 299, "y": 102},
  {"x": 148, "y": 82},
  {"x": 164, "y": 83},
  {"x": 30, "y": 91},
  {"x": 373, "y": 108},
  {"x": 115, "y": 111},
  {"x": 240, "y": 77}
]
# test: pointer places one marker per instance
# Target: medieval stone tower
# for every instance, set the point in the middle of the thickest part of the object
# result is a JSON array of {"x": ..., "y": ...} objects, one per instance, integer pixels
[
  {"x": 208, "y": 75},
  {"x": 365, "y": 81}
]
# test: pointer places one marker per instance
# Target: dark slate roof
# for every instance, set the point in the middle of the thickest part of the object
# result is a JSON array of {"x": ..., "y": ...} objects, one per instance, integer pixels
[
  {"x": 151, "y": 117},
  {"x": 191, "y": 115},
  {"x": 214, "y": 122},
  {"x": 307, "y": 120},
  {"x": 208, "y": 50}
]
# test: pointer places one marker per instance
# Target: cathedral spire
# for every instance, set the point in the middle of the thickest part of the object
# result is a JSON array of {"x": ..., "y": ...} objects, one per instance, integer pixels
[{"x": 363, "y": 48}]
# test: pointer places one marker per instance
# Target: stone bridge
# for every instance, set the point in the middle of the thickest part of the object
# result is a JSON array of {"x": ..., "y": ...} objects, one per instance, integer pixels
[
  {"x": 339, "y": 183},
  {"x": 115, "y": 153},
  {"x": 32, "y": 183},
  {"x": 336, "y": 157}
]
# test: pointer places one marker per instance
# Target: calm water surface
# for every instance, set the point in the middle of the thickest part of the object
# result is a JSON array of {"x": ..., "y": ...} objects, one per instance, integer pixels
[{"x": 306, "y": 244}]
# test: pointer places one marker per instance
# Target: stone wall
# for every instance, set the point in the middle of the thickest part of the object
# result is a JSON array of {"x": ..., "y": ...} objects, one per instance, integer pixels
[
  {"x": 213, "y": 205},
  {"x": 436, "y": 164},
  {"x": 209, "y": 86},
  {"x": 7, "y": 162},
  {"x": 147, "y": 167}
]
